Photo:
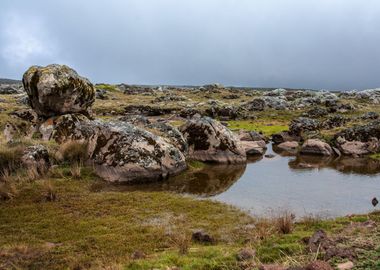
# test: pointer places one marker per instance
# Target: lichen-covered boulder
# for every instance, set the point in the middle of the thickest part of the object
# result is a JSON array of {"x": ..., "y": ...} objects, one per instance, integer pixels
[
  {"x": 119, "y": 151},
  {"x": 58, "y": 89},
  {"x": 210, "y": 141}
]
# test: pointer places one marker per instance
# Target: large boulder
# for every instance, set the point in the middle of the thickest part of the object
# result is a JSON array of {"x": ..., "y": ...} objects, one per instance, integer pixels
[
  {"x": 210, "y": 141},
  {"x": 58, "y": 89},
  {"x": 316, "y": 147},
  {"x": 119, "y": 151}
]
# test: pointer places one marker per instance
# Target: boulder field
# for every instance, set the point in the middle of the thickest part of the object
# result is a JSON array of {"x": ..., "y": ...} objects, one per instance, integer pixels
[
  {"x": 136, "y": 148},
  {"x": 120, "y": 151}
]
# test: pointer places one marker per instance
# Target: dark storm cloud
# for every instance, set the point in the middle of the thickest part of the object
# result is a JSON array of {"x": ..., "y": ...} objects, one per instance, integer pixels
[{"x": 331, "y": 44}]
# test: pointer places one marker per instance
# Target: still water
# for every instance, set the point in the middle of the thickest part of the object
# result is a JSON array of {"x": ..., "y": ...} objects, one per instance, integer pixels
[{"x": 305, "y": 185}]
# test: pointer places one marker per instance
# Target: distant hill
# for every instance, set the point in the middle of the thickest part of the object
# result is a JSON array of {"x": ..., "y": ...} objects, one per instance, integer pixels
[{"x": 9, "y": 81}]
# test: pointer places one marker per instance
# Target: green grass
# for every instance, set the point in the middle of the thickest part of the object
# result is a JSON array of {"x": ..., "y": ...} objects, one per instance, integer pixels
[
  {"x": 252, "y": 125},
  {"x": 375, "y": 156},
  {"x": 86, "y": 228}
]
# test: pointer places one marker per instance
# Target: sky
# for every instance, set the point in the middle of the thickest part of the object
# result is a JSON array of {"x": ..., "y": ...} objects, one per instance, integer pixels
[{"x": 319, "y": 44}]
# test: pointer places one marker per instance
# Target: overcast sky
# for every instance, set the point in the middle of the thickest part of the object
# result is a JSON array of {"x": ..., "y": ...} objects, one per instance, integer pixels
[{"x": 329, "y": 44}]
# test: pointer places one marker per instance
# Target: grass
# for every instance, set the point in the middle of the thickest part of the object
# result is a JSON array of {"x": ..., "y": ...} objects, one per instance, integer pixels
[
  {"x": 375, "y": 156},
  {"x": 60, "y": 223},
  {"x": 267, "y": 129}
]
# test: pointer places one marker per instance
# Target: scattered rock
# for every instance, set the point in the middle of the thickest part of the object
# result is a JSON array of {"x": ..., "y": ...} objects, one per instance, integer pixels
[
  {"x": 58, "y": 89},
  {"x": 354, "y": 148},
  {"x": 36, "y": 158},
  {"x": 271, "y": 267},
  {"x": 319, "y": 265},
  {"x": 257, "y": 104},
  {"x": 254, "y": 147},
  {"x": 8, "y": 89},
  {"x": 251, "y": 136},
  {"x": 370, "y": 116},
  {"x": 316, "y": 147},
  {"x": 101, "y": 94},
  {"x": 202, "y": 237},
  {"x": 284, "y": 136},
  {"x": 245, "y": 254},
  {"x": 138, "y": 255},
  {"x": 148, "y": 110},
  {"x": 302, "y": 124},
  {"x": 318, "y": 241},
  {"x": 210, "y": 141},
  {"x": 345, "y": 266},
  {"x": 290, "y": 146},
  {"x": 316, "y": 112},
  {"x": 361, "y": 133},
  {"x": 334, "y": 122}
]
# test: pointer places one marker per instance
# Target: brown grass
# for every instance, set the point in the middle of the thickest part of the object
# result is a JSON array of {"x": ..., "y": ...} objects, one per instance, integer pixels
[
  {"x": 284, "y": 222},
  {"x": 74, "y": 151}
]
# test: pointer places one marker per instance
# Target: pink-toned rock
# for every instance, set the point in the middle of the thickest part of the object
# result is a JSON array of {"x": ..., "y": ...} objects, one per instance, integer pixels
[
  {"x": 254, "y": 147},
  {"x": 288, "y": 146},
  {"x": 345, "y": 266},
  {"x": 319, "y": 265},
  {"x": 316, "y": 147},
  {"x": 354, "y": 148},
  {"x": 271, "y": 267}
]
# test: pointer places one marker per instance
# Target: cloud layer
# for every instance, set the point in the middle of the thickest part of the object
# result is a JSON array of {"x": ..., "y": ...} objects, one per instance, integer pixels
[{"x": 332, "y": 44}]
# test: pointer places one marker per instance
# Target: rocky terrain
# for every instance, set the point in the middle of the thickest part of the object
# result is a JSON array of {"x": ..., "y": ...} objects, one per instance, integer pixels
[{"x": 57, "y": 120}]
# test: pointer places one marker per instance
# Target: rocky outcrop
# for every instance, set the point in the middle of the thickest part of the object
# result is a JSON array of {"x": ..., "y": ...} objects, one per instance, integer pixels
[
  {"x": 210, "y": 141},
  {"x": 362, "y": 133},
  {"x": 119, "y": 151},
  {"x": 301, "y": 125},
  {"x": 148, "y": 110},
  {"x": 57, "y": 89},
  {"x": 316, "y": 147},
  {"x": 7, "y": 89},
  {"x": 224, "y": 112}
]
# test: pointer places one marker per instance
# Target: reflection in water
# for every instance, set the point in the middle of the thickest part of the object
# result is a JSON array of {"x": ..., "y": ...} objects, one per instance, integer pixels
[
  {"x": 302, "y": 184},
  {"x": 347, "y": 165},
  {"x": 208, "y": 181}
]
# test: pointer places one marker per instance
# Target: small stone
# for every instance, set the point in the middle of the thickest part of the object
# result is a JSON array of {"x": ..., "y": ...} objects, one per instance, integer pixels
[
  {"x": 202, "y": 237},
  {"x": 271, "y": 267},
  {"x": 345, "y": 266},
  {"x": 246, "y": 254},
  {"x": 319, "y": 265},
  {"x": 137, "y": 255}
]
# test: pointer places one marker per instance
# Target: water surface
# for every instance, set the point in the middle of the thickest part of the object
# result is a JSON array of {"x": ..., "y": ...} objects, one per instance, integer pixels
[{"x": 304, "y": 185}]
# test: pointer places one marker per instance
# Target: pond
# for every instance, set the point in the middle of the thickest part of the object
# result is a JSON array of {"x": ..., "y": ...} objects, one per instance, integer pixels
[{"x": 304, "y": 185}]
